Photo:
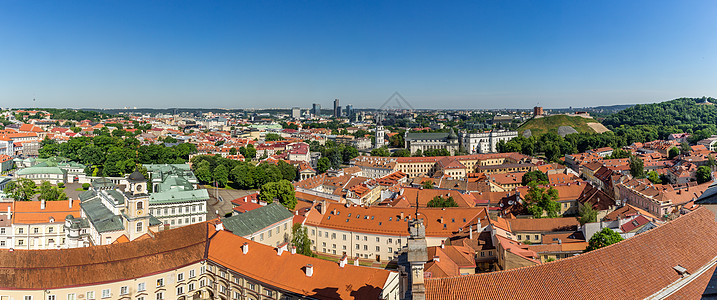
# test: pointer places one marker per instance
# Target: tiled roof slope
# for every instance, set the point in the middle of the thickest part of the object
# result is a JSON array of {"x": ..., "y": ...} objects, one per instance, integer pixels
[
  {"x": 632, "y": 269},
  {"x": 329, "y": 281},
  {"x": 52, "y": 269}
]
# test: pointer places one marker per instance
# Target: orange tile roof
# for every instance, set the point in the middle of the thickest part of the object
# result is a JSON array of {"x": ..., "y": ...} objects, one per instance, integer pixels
[
  {"x": 388, "y": 221},
  {"x": 287, "y": 272},
  {"x": 29, "y": 212},
  {"x": 632, "y": 269}
]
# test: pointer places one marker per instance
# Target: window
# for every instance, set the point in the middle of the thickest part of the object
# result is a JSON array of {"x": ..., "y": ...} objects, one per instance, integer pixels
[
  {"x": 36, "y": 230},
  {"x": 390, "y": 249},
  {"x": 140, "y": 205},
  {"x": 202, "y": 270},
  {"x": 236, "y": 295},
  {"x": 365, "y": 238},
  {"x": 333, "y": 236},
  {"x": 28, "y": 298},
  {"x": 139, "y": 227},
  {"x": 106, "y": 293},
  {"x": 180, "y": 276},
  {"x": 51, "y": 297},
  {"x": 358, "y": 238},
  {"x": 482, "y": 254},
  {"x": 180, "y": 290},
  {"x": 124, "y": 290},
  {"x": 222, "y": 289},
  {"x": 389, "y": 241},
  {"x": 519, "y": 237},
  {"x": 344, "y": 237},
  {"x": 365, "y": 247},
  {"x": 269, "y": 232},
  {"x": 537, "y": 237},
  {"x": 269, "y": 293},
  {"x": 160, "y": 296},
  {"x": 140, "y": 298},
  {"x": 141, "y": 287},
  {"x": 378, "y": 248},
  {"x": 160, "y": 282},
  {"x": 91, "y": 295},
  {"x": 252, "y": 286},
  {"x": 191, "y": 273},
  {"x": 51, "y": 229},
  {"x": 190, "y": 287},
  {"x": 261, "y": 237},
  {"x": 378, "y": 239},
  {"x": 202, "y": 283},
  {"x": 358, "y": 246}
]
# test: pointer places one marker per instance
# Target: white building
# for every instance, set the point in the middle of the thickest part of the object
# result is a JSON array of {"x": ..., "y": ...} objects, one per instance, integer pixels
[{"x": 486, "y": 142}]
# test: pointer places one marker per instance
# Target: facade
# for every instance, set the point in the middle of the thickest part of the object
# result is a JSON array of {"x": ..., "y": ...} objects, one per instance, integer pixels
[
  {"x": 201, "y": 261},
  {"x": 380, "y": 135},
  {"x": 39, "y": 224},
  {"x": 316, "y": 109},
  {"x": 337, "y": 109},
  {"x": 295, "y": 113},
  {"x": 175, "y": 198},
  {"x": 431, "y": 141},
  {"x": 486, "y": 142},
  {"x": 269, "y": 225}
]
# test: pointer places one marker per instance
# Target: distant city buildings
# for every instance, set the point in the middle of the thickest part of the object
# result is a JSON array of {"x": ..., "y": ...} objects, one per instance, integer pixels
[{"x": 337, "y": 109}]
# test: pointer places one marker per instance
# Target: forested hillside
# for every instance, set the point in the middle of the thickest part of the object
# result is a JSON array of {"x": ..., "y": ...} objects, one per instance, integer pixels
[{"x": 683, "y": 111}]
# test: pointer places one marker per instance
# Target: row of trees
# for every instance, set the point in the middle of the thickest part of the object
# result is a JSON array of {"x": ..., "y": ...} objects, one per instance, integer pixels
[
  {"x": 24, "y": 189},
  {"x": 238, "y": 174}
]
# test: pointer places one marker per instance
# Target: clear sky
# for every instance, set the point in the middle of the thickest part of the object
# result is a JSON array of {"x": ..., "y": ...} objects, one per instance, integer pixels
[{"x": 440, "y": 54}]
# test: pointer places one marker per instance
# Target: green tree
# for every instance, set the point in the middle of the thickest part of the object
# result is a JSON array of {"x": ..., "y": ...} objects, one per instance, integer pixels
[
  {"x": 619, "y": 153},
  {"x": 401, "y": 153},
  {"x": 243, "y": 176},
  {"x": 586, "y": 213},
  {"x": 654, "y": 177},
  {"x": 48, "y": 192},
  {"x": 203, "y": 173},
  {"x": 380, "y": 152},
  {"x": 603, "y": 238},
  {"x": 232, "y": 151},
  {"x": 300, "y": 239},
  {"x": 288, "y": 171},
  {"x": 428, "y": 184},
  {"x": 535, "y": 176},
  {"x": 541, "y": 201},
  {"x": 273, "y": 137},
  {"x": 221, "y": 175},
  {"x": 439, "y": 201},
  {"x": 250, "y": 152},
  {"x": 637, "y": 167},
  {"x": 282, "y": 190},
  {"x": 703, "y": 174},
  {"x": 674, "y": 152},
  {"x": 685, "y": 147},
  {"x": 323, "y": 164},
  {"x": 22, "y": 189}
]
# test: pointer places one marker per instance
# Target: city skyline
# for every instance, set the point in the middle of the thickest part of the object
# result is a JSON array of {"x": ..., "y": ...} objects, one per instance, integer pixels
[{"x": 479, "y": 55}]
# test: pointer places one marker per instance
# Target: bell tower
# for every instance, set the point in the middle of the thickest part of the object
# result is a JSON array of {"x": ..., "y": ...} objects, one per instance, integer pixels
[{"x": 137, "y": 205}]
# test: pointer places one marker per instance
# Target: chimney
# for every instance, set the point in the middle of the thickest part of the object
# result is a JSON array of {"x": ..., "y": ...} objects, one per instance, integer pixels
[
  {"x": 470, "y": 229},
  {"x": 323, "y": 207},
  {"x": 560, "y": 242},
  {"x": 343, "y": 261},
  {"x": 69, "y": 203},
  {"x": 281, "y": 248},
  {"x": 219, "y": 226},
  {"x": 443, "y": 244},
  {"x": 356, "y": 261},
  {"x": 309, "y": 270},
  {"x": 401, "y": 216},
  {"x": 42, "y": 204},
  {"x": 245, "y": 248},
  {"x": 441, "y": 220},
  {"x": 293, "y": 249},
  {"x": 437, "y": 258}
]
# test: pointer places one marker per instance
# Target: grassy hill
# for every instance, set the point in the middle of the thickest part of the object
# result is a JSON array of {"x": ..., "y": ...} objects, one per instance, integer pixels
[{"x": 547, "y": 124}]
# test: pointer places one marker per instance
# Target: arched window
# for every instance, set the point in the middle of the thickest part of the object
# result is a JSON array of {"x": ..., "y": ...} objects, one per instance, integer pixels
[
  {"x": 139, "y": 227},
  {"x": 140, "y": 205}
]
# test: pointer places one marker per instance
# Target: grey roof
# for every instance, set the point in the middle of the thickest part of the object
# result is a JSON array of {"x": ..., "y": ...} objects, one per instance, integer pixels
[
  {"x": 101, "y": 218},
  {"x": 102, "y": 182},
  {"x": 117, "y": 196},
  {"x": 154, "y": 221},
  {"x": 86, "y": 195},
  {"x": 178, "y": 196},
  {"x": 426, "y": 136},
  {"x": 255, "y": 220},
  {"x": 709, "y": 196},
  {"x": 136, "y": 176}
]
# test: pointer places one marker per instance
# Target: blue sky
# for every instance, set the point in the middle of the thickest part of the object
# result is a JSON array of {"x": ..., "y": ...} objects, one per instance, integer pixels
[{"x": 440, "y": 54}]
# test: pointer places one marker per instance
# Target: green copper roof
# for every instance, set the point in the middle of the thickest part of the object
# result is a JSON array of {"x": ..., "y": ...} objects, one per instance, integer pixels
[
  {"x": 174, "y": 196},
  {"x": 102, "y": 218},
  {"x": 257, "y": 219},
  {"x": 40, "y": 170}
]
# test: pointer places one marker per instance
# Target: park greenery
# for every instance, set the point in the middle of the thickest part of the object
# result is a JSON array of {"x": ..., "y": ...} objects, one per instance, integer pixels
[
  {"x": 24, "y": 189},
  {"x": 336, "y": 153},
  {"x": 603, "y": 238},
  {"x": 211, "y": 169},
  {"x": 106, "y": 155}
]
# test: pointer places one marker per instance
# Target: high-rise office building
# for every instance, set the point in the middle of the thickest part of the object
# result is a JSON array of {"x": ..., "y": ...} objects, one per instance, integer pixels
[
  {"x": 337, "y": 114},
  {"x": 316, "y": 109},
  {"x": 296, "y": 113},
  {"x": 349, "y": 110}
]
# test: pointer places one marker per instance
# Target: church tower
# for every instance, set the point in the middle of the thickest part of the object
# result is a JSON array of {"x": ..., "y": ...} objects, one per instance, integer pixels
[
  {"x": 417, "y": 257},
  {"x": 380, "y": 133},
  {"x": 137, "y": 208}
]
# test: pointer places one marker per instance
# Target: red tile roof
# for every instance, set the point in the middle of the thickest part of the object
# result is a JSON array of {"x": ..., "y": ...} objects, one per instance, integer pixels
[{"x": 635, "y": 268}]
